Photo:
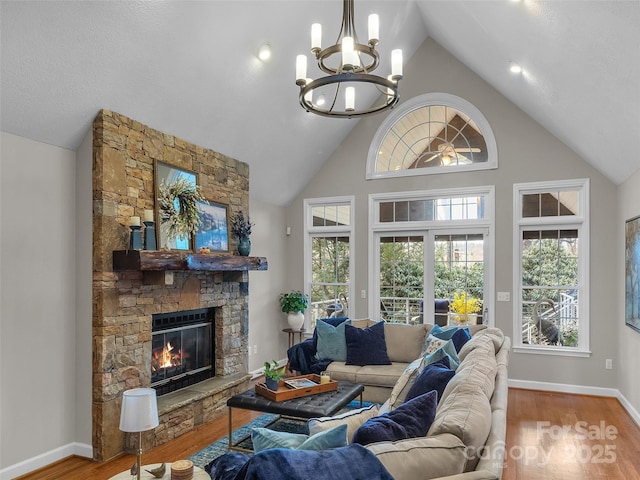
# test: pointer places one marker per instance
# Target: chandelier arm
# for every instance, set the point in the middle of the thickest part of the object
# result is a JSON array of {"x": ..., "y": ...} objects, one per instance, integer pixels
[
  {"x": 391, "y": 93},
  {"x": 326, "y": 53}
]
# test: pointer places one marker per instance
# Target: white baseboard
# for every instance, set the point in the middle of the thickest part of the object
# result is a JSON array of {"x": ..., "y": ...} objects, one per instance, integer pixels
[
  {"x": 47, "y": 458},
  {"x": 629, "y": 408},
  {"x": 256, "y": 373},
  {"x": 579, "y": 390},
  {"x": 564, "y": 388}
]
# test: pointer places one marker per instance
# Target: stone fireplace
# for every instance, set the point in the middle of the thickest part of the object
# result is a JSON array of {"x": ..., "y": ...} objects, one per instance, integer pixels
[
  {"x": 182, "y": 350},
  {"x": 134, "y": 289}
]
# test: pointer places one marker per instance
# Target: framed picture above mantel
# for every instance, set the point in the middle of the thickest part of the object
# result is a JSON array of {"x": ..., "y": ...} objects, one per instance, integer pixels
[
  {"x": 169, "y": 204},
  {"x": 632, "y": 273},
  {"x": 213, "y": 233}
]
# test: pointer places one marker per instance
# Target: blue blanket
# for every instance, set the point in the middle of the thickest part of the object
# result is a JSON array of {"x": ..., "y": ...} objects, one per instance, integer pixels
[
  {"x": 352, "y": 462},
  {"x": 302, "y": 358}
]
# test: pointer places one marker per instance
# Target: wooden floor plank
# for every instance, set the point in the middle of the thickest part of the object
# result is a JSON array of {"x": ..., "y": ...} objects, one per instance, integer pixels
[{"x": 543, "y": 442}]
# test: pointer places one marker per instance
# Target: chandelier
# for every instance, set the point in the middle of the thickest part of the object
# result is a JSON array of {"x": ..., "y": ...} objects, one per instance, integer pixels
[{"x": 348, "y": 64}]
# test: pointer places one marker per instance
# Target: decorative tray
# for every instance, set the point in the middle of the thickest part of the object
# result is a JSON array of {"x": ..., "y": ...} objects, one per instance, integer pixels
[{"x": 285, "y": 392}]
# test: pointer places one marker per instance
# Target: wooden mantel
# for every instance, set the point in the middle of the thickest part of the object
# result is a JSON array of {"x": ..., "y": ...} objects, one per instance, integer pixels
[{"x": 157, "y": 260}]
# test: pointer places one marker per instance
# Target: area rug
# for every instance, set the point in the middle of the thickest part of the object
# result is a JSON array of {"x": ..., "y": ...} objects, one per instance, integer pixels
[{"x": 242, "y": 436}]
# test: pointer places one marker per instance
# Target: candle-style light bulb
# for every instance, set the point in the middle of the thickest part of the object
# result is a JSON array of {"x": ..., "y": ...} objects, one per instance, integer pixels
[
  {"x": 348, "y": 54},
  {"x": 316, "y": 37},
  {"x": 396, "y": 64},
  {"x": 301, "y": 69},
  {"x": 350, "y": 99},
  {"x": 374, "y": 29}
]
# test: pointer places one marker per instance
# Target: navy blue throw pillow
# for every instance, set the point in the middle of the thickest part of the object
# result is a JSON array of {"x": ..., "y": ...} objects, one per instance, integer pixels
[
  {"x": 461, "y": 337},
  {"x": 366, "y": 346},
  {"x": 410, "y": 420},
  {"x": 435, "y": 376}
]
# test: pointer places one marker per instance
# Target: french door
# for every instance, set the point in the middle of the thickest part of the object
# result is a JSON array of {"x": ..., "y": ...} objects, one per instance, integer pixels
[{"x": 420, "y": 273}]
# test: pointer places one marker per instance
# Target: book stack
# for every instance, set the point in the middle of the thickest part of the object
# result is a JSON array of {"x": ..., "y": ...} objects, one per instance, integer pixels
[{"x": 182, "y": 470}]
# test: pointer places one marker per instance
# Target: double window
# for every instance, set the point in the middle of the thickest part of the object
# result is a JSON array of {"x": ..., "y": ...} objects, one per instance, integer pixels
[{"x": 551, "y": 254}]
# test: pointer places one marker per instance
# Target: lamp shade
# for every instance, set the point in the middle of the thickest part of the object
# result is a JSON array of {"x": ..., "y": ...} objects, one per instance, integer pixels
[{"x": 139, "y": 410}]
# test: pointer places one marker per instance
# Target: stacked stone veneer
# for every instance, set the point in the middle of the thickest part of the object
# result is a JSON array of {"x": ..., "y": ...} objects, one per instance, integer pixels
[{"x": 124, "y": 154}]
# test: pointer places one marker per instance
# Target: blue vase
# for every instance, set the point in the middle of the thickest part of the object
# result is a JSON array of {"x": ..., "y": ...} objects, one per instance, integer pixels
[{"x": 244, "y": 247}]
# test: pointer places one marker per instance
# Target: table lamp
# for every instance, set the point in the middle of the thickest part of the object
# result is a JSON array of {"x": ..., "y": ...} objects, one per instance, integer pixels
[{"x": 139, "y": 413}]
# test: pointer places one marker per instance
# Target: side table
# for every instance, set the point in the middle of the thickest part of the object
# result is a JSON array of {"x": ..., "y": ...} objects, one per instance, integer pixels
[
  {"x": 198, "y": 473},
  {"x": 292, "y": 335}
]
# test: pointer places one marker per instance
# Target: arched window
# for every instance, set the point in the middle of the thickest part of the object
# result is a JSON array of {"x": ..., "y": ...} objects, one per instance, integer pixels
[{"x": 432, "y": 133}]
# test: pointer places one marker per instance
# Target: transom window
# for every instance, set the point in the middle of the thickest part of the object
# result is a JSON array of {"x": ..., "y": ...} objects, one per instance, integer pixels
[
  {"x": 437, "y": 209},
  {"x": 432, "y": 133}
]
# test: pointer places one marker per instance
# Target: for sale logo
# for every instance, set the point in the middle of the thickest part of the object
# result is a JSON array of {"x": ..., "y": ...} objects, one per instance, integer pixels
[{"x": 602, "y": 452}]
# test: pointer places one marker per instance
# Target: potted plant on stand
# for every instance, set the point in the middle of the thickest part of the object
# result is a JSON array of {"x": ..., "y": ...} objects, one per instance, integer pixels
[
  {"x": 272, "y": 375},
  {"x": 293, "y": 304},
  {"x": 241, "y": 228},
  {"x": 463, "y": 311}
]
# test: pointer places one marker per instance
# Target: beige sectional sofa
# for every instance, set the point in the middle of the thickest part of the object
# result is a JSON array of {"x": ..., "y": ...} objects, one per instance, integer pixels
[
  {"x": 404, "y": 345},
  {"x": 466, "y": 439}
]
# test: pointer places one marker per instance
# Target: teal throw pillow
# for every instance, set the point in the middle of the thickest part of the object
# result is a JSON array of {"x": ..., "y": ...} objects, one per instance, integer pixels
[
  {"x": 446, "y": 350},
  {"x": 459, "y": 335},
  {"x": 264, "y": 439},
  {"x": 332, "y": 344}
]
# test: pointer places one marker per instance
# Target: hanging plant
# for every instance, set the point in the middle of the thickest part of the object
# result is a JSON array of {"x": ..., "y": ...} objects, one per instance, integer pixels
[{"x": 179, "y": 213}]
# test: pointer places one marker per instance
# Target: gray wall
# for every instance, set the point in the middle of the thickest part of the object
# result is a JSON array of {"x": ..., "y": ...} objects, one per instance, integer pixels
[
  {"x": 38, "y": 298},
  {"x": 45, "y": 300},
  {"x": 84, "y": 294},
  {"x": 628, "y": 339},
  {"x": 266, "y": 321},
  {"x": 526, "y": 153}
]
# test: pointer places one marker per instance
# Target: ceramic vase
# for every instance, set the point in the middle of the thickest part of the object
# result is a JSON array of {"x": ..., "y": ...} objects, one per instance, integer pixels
[
  {"x": 244, "y": 246},
  {"x": 296, "y": 320}
]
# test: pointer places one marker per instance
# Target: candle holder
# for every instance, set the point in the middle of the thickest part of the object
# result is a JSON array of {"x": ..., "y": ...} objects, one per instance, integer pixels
[
  {"x": 135, "y": 238},
  {"x": 150, "y": 236}
]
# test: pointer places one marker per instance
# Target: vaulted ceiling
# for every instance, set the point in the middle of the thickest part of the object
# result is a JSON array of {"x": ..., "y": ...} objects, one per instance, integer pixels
[{"x": 189, "y": 68}]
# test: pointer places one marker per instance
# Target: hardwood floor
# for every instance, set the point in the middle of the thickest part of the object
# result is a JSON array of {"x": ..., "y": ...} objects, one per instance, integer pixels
[
  {"x": 560, "y": 436},
  {"x": 549, "y": 436}
]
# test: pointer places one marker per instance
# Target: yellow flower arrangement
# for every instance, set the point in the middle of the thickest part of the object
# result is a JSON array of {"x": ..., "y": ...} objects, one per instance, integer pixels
[{"x": 460, "y": 304}]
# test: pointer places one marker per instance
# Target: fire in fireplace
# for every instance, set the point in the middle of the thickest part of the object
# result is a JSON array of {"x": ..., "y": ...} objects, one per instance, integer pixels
[{"x": 181, "y": 349}]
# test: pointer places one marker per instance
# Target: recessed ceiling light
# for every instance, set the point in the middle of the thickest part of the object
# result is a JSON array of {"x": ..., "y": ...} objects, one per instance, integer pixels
[
  {"x": 264, "y": 52},
  {"x": 515, "y": 68},
  {"x": 321, "y": 100}
]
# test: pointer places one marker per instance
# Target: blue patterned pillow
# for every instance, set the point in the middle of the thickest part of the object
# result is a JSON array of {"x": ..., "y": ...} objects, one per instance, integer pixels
[
  {"x": 332, "y": 344},
  {"x": 435, "y": 376},
  {"x": 447, "y": 350},
  {"x": 366, "y": 346},
  {"x": 264, "y": 439},
  {"x": 459, "y": 335},
  {"x": 410, "y": 420}
]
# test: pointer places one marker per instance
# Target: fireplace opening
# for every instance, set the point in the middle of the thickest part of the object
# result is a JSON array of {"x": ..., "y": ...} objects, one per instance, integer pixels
[{"x": 181, "y": 349}]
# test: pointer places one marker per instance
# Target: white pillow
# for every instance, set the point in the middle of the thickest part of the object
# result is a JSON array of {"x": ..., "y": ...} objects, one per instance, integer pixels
[{"x": 353, "y": 419}]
